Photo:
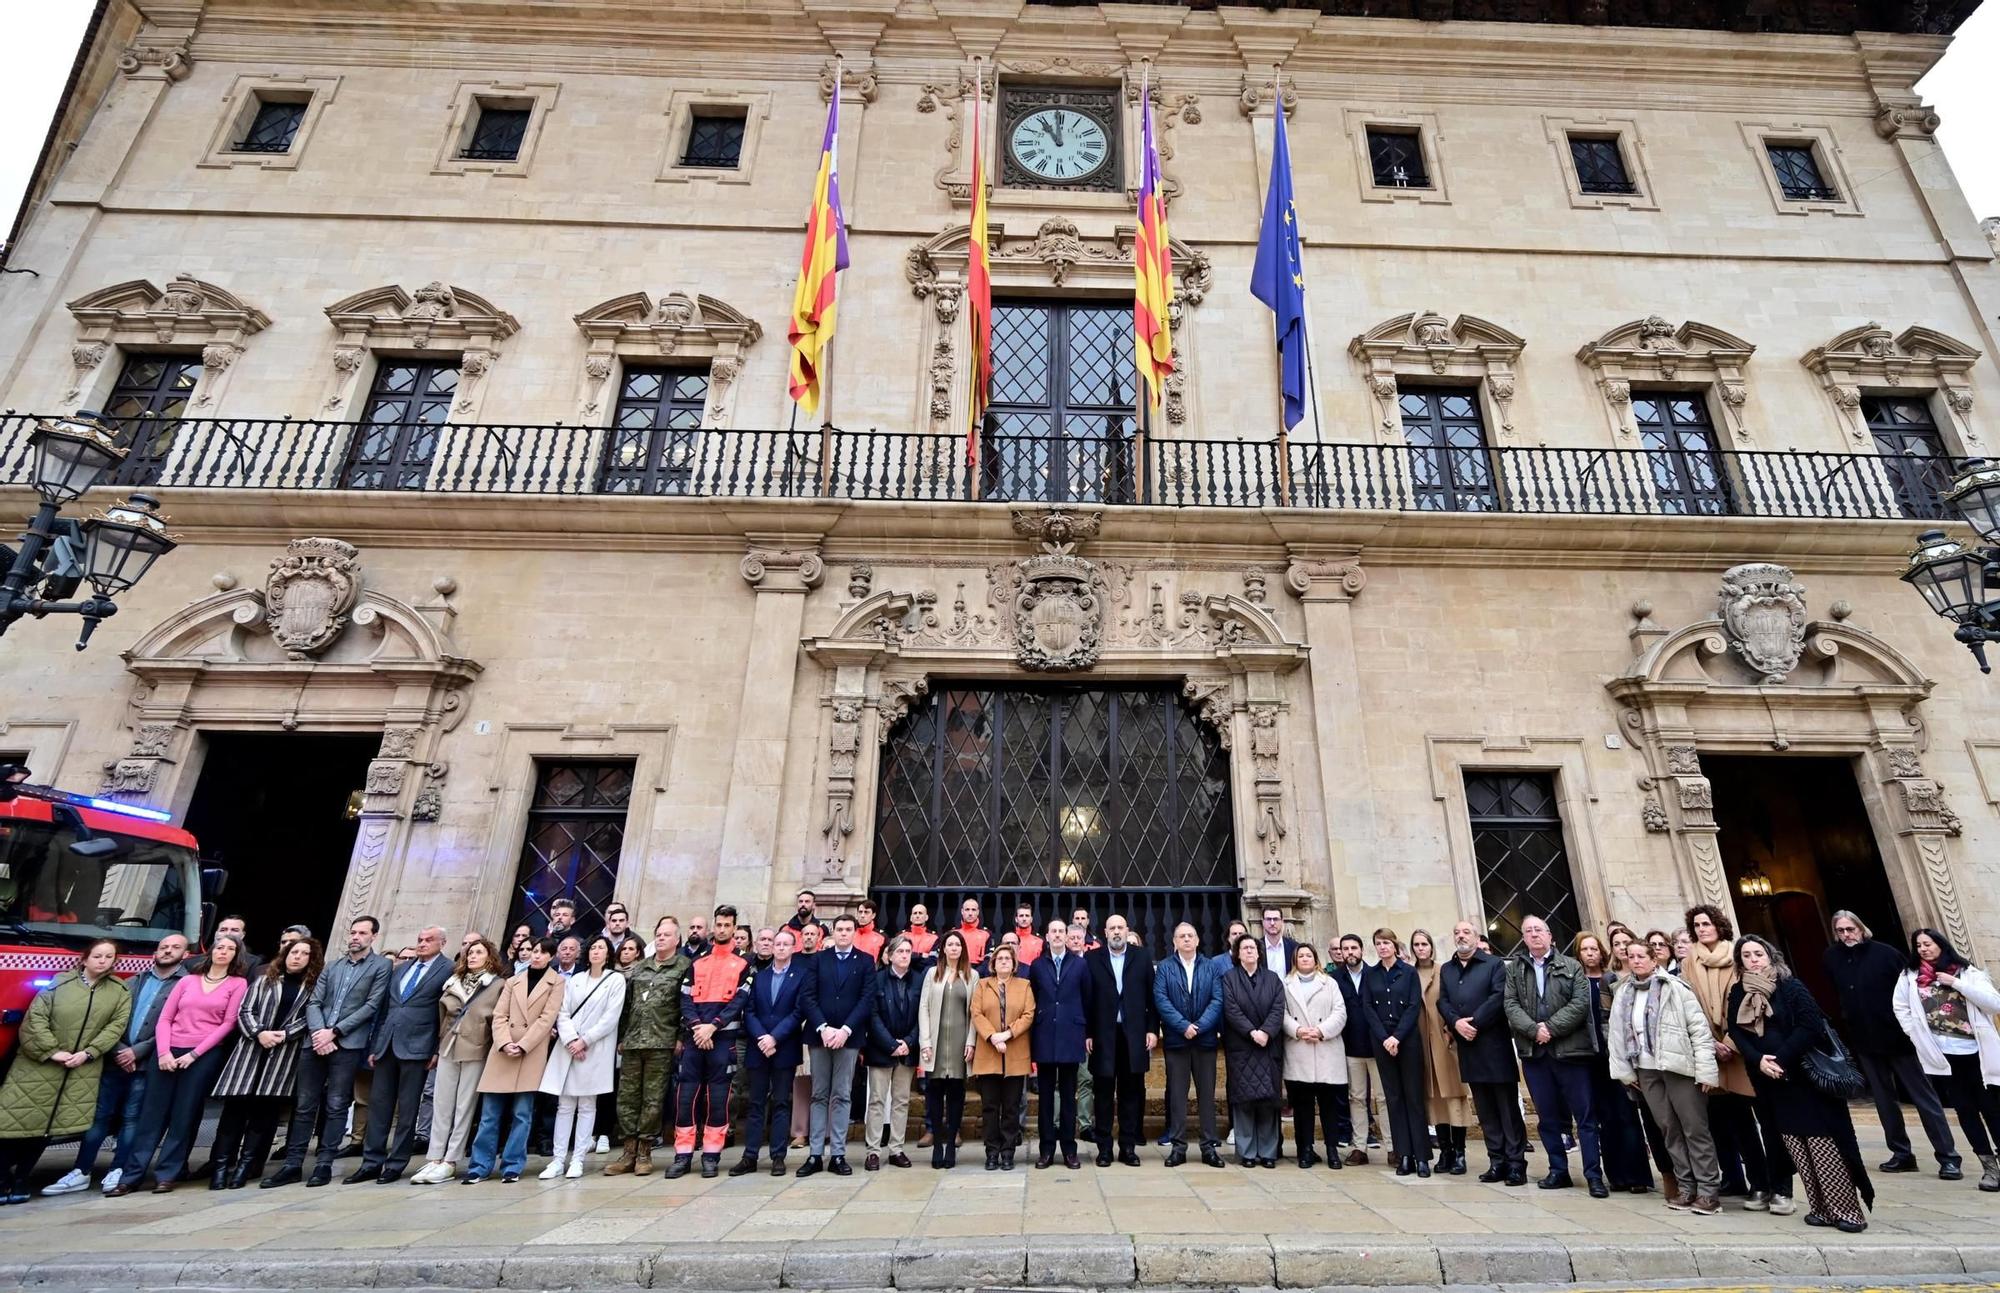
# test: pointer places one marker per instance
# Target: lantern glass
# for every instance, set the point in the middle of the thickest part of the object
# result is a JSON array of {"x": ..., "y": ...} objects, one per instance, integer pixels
[
  {"x": 71, "y": 455},
  {"x": 122, "y": 544},
  {"x": 1946, "y": 574},
  {"x": 1975, "y": 494}
]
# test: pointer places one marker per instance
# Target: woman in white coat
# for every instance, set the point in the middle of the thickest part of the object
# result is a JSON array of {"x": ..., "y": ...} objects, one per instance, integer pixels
[
  {"x": 1946, "y": 1005},
  {"x": 583, "y": 1064},
  {"x": 1315, "y": 1056}
]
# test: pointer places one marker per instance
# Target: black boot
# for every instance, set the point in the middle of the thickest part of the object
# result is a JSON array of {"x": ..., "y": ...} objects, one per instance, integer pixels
[
  {"x": 951, "y": 1155},
  {"x": 992, "y": 1160},
  {"x": 937, "y": 1156}
]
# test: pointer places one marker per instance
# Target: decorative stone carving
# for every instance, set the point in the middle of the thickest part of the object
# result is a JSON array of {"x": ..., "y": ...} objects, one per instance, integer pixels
[
  {"x": 169, "y": 61},
  {"x": 1311, "y": 579},
  {"x": 837, "y": 824},
  {"x": 690, "y": 327},
  {"x": 898, "y": 694},
  {"x": 399, "y": 743},
  {"x": 1697, "y": 800},
  {"x": 429, "y": 803},
  {"x": 153, "y": 740},
  {"x": 438, "y": 316},
  {"x": 186, "y": 312},
  {"x": 796, "y": 569},
  {"x": 308, "y": 594},
  {"x": 1425, "y": 344},
  {"x": 1918, "y": 357},
  {"x": 1915, "y": 121},
  {"x": 1683, "y": 761},
  {"x": 385, "y": 777},
  {"x": 1902, "y": 762},
  {"x": 347, "y": 359},
  {"x": 1058, "y": 616},
  {"x": 1255, "y": 581},
  {"x": 1655, "y": 816},
  {"x": 1654, "y": 350},
  {"x": 860, "y": 80},
  {"x": 860, "y": 581},
  {"x": 954, "y": 177},
  {"x": 1256, "y": 95},
  {"x": 1763, "y": 611},
  {"x": 129, "y": 777}
]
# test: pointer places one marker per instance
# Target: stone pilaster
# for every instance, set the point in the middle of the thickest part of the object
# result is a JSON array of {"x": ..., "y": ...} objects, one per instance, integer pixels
[{"x": 1326, "y": 584}]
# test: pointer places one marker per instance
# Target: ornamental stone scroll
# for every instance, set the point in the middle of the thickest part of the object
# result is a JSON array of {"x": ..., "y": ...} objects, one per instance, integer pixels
[
  {"x": 1653, "y": 351},
  {"x": 1918, "y": 362},
  {"x": 187, "y": 313},
  {"x": 437, "y": 317},
  {"x": 1426, "y": 345},
  {"x": 680, "y": 326}
]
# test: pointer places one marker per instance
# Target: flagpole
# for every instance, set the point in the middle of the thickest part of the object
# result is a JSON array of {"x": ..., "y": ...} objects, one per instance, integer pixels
[
  {"x": 1305, "y": 311},
  {"x": 825, "y": 366}
]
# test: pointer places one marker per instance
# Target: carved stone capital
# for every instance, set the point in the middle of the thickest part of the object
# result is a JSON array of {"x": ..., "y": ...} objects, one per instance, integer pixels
[
  {"x": 1320, "y": 580},
  {"x": 782, "y": 569}
]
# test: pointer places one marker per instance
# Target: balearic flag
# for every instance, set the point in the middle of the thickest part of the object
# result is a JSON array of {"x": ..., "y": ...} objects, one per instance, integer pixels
[
  {"x": 825, "y": 256},
  {"x": 978, "y": 281},
  {"x": 1279, "y": 279},
  {"x": 1152, "y": 263}
]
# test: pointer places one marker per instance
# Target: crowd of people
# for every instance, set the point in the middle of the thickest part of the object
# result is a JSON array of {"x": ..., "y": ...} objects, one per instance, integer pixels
[{"x": 1696, "y": 1053}]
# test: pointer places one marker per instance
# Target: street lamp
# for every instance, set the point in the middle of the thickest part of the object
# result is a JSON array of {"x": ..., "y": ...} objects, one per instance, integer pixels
[{"x": 111, "y": 550}]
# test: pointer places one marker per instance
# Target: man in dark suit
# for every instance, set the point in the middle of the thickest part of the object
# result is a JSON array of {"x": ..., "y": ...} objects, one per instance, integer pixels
[
  {"x": 1059, "y": 1042},
  {"x": 1278, "y": 947},
  {"x": 1360, "y": 1047},
  {"x": 1472, "y": 991},
  {"x": 772, "y": 1052},
  {"x": 400, "y": 1053},
  {"x": 836, "y": 997},
  {"x": 1122, "y": 1038}
]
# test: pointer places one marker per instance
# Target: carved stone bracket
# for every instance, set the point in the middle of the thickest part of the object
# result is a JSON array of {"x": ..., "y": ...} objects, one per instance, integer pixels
[
  {"x": 1319, "y": 580},
  {"x": 1256, "y": 95},
  {"x": 679, "y": 326},
  {"x": 186, "y": 313},
  {"x": 858, "y": 79},
  {"x": 1918, "y": 362},
  {"x": 1427, "y": 345},
  {"x": 157, "y": 59},
  {"x": 771, "y": 569},
  {"x": 436, "y": 317},
  {"x": 1652, "y": 350}
]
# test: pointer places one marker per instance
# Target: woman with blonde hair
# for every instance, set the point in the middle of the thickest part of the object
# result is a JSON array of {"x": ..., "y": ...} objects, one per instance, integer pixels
[
  {"x": 1315, "y": 1063},
  {"x": 945, "y": 1042},
  {"x": 1620, "y": 1137},
  {"x": 1447, "y": 1099}
]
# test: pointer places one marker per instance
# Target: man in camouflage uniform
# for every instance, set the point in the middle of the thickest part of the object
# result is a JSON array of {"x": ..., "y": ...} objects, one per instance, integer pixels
[{"x": 646, "y": 1040}]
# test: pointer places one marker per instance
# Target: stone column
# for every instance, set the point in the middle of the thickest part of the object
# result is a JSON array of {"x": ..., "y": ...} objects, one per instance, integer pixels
[
  {"x": 782, "y": 570},
  {"x": 1326, "y": 586}
]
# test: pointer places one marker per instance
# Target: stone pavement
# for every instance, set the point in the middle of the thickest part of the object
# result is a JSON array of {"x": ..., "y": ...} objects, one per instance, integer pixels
[{"x": 1110, "y": 1227}]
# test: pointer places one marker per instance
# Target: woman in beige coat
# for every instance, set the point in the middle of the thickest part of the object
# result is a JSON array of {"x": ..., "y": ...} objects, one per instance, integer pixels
[
  {"x": 465, "y": 1034},
  {"x": 1447, "y": 1099},
  {"x": 524, "y": 1022},
  {"x": 1003, "y": 1009},
  {"x": 1315, "y": 1054}
]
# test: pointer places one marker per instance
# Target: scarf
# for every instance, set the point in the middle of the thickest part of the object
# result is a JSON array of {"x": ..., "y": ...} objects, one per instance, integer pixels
[
  {"x": 1624, "y": 1028},
  {"x": 1929, "y": 970},
  {"x": 1711, "y": 972},
  {"x": 1755, "y": 1009}
]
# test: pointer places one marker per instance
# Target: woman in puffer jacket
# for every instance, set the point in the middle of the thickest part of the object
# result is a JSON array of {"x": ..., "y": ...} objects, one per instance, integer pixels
[{"x": 1946, "y": 1005}]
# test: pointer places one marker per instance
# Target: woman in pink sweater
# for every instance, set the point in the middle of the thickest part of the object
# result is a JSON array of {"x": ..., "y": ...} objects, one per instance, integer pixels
[{"x": 196, "y": 1028}]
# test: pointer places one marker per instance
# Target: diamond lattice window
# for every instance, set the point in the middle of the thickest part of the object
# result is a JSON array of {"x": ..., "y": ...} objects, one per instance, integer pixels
[
  {"x": 1517, "y": 842},
  {"x": 1600, "y": 165},
  {"x": 576, "y": 829},
  {"x": 1682, "y": 453},
  {"x": 1451, "y": 466},
  {"x": 1397, "y": 158},
  {"x": 1797, "y": 168},
  {"x": 1914, "y": 454},
  {"x": 1064, "y": 403},
  {"x": 655, "y": 435},
  {"x": 273, "y": 128},
  {"x": 145, "y": 407}
]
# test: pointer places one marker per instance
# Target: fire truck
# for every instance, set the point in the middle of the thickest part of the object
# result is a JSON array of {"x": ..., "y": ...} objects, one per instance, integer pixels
[{"x": 74, "y": 869}]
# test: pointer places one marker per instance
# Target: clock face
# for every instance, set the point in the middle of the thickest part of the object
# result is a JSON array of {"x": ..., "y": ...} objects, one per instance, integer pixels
[{"x": 1060, "y": 144}]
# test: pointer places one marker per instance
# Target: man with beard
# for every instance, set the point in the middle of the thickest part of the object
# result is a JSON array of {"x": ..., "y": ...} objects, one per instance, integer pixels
[
  {"x": 1472, "y": 989},
  {"x": 340, "y": 1018},
  {"x": 121, "y": 1090},
  {"x": 650, "y": 1031},
  {"x": 1122, "y": 1040}
]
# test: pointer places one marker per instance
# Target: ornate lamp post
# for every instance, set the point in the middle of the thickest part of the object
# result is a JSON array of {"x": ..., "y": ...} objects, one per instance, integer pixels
[
  {"x": 111, "y": 550},
  {"x": 1955, "y": 580}
]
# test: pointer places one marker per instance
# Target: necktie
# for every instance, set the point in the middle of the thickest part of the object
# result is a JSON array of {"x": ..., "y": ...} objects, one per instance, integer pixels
[{"x": 410, "y": 979}]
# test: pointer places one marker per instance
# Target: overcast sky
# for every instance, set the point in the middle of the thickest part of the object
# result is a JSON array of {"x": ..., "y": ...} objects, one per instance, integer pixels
[{"x": 42, "y": 36}]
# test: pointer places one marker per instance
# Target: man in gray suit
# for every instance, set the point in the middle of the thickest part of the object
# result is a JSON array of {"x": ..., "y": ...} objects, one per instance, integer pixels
[
  {"x": 400, "y": 1053},
  {"x": 340, "y": 1021}
]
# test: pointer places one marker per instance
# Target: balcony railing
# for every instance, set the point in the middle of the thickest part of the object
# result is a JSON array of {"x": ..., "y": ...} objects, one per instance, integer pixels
[{"x": 234, "y": 453}]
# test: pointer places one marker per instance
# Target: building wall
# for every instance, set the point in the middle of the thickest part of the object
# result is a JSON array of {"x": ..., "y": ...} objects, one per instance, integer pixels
[{"x": 1490, "y": 639}]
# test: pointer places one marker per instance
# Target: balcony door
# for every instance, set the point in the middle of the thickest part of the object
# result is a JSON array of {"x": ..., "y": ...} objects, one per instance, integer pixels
[
  {"x": 1682, "y": 453},
  {"x": 1064, "y": 403},
  {"x": 656, "y": 435},
  {"x": 1914, "y": 454},
  {"x": 145, "y": 408},
  {"x": 1451, "y": 468},
  {"x": 398, "y": 438}
]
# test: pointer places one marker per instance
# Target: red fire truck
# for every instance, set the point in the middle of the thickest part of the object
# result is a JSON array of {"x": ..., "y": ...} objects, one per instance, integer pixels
[{"x": 74, "y": 869}]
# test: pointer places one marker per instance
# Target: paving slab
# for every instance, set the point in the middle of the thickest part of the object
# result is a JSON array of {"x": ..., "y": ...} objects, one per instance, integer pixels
[{"x": 1309, "y": 1261}]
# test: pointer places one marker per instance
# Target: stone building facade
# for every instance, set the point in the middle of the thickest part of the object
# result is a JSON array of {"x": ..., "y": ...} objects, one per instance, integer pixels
[{"x": 1578, "y": 585}]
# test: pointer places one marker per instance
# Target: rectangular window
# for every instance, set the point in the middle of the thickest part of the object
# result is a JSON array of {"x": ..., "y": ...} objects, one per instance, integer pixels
[
  {"x": 1600, "y": 164},
  {"x": 1517, "y": 843},
  {"x": 1451, "y": 469},
  {"x": 393, "y": 448},
  {"x": 715, "y": 139},
  {"x": 1682, "y": 453},
  {"x": 1797, "y": 168},
  {"x": 274, "y": 127},
  {"x": 656, "y": 433},
  {"x": 576, "y": 829},
  {"x": 497, "y": 133},
  {"x": 146, "y": 406},
  {"x": 1913, "y": 453},
  {"x": 1064, "y": 402},
  {"x": 1397, "y": 157}
]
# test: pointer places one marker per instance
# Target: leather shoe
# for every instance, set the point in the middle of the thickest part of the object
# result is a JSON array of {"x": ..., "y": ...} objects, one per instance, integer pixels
[
  {"x": 682, "y": 1165},
  {"x": 811, "y": 1167},
  {"x": 120, "y": 1190},
  {"x": 1404, "y": 1166},
  {"x": 322, "y": 1175},
  {"x": 1357, "y": 1157},
  {"x": 165, "y": 1185},
  {"x": 899, "y": 1159},
  {"x": 1006, "y": 1160},
  {"x": 1493, "y": 1175},
  {"x": 992, "y": 1160},
  {"x": 283, "y": 1176},
  {"x": 1899, "y": 1163},
  {"x": 1045, "y": 1161},
  {"x": 1555, "y": 1181},
  {"x": 1598, "y": 1190},
  {"x": 1423, "y": 1168},
  {"x": 777, "y": 1167},
  {"x": 874, "y": 1163},
  {"x": 1177, "y": 1156},
  {"x": 1129, "y": 1157},
  {"x": 744, "y": 1167},
  {"x": 389, "y": 1176},
  {"x": 1211, "y": 1156},
  {"x": 839, "y": 1167},
  {"x": 710, "y": 1166},
  {"x": 1072, "y": 1162},
  {"x": 1949, "y": 1170},
  {"x": 360, "y": 1174},
  {"x": 1104, "y": 1158},
  {"x": 1517, "y": 1176}
]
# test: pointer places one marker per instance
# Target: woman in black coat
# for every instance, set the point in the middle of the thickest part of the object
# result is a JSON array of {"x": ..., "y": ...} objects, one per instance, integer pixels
[
  {"x": 1773, "y": 1022},
  {"x": 1392, "y": 997},
  {"x": 1253, "y": 1033}
]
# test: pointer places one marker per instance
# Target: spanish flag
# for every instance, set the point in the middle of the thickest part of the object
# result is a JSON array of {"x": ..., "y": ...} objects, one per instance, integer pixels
[
  {"x": 979, "y": 281},
  {"x": 819, "y": 269},
  {"x": 1152, "y": 262}
]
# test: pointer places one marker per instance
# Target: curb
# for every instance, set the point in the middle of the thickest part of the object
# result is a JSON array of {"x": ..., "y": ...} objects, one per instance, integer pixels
[{"x": 1025, "y": 1262}]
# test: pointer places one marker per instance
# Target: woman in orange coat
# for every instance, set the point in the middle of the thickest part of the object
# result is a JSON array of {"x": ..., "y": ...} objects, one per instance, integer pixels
[{"x": 1003, "y": 1010}]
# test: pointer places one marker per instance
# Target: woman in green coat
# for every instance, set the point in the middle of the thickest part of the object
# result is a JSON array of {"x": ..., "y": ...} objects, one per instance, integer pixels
[{"x": 52, "y": 1089}]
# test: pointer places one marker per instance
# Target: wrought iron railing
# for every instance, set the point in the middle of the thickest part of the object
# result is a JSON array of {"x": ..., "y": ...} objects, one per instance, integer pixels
[{"x": 287, "y": 454}]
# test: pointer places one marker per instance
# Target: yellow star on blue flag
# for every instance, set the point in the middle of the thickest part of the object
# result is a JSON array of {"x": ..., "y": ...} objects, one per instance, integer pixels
[{"x": 1279, "y": 279}]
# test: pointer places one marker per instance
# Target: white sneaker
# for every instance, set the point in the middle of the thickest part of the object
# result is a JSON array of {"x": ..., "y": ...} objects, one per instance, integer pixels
[
  {"x": 1782, "y": 1205},
  {"x": 554, "y": 1169},
  {"x": 445, "y": 1171},
  {"x": 575, "y": 1171},
  {"x": 112, "y": 1177},
  {"x": 603, "y": 1145},
  {"x": 72, "y": 1181},
  {"x": 427, "y": 1175}
]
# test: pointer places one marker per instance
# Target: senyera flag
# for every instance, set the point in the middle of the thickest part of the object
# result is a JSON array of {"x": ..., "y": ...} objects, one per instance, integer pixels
[
  {"x": 1152, "y": 262},
  {"x": 819, "y": 269},
  {"x": 979, "y": 283}
]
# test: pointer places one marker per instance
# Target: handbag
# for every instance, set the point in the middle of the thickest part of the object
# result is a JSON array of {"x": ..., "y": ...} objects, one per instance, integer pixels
[{"x": 1832, "y": 1071}]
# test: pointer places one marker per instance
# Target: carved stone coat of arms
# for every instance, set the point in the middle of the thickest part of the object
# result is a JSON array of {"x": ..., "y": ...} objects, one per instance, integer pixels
[
  {"x": 1058, "y": 607},
  {"x": 308, "y": 594},
  {"x": 1763, "y": 610}
]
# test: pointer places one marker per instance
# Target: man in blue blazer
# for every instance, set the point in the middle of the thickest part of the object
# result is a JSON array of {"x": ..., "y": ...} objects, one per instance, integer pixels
[
  {"x": 1187, "y": 994},
  {"x": 1059, "y": 1042},
  {"x": 836, "y": 997},
  {"x": 772, "y": 1052},
  {"x": 401, "y": 1051}
]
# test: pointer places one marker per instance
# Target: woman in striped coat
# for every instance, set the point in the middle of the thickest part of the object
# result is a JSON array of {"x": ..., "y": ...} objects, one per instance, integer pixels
[{"x": 261, "y": 1074}]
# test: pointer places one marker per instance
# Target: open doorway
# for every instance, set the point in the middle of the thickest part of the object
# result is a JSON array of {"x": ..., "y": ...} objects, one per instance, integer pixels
[
  {"x": 272, "y": 808},
  {"x": 1797, "y": 846}
]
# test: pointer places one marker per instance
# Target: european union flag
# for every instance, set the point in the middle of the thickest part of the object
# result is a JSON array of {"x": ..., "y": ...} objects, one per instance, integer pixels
[{"x": 1279, "y": 279}]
